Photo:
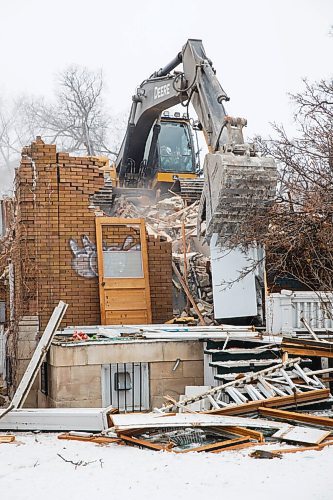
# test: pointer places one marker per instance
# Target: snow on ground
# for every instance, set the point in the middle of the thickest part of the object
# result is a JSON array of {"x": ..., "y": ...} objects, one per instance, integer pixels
[{"x": 31, "y": 469}]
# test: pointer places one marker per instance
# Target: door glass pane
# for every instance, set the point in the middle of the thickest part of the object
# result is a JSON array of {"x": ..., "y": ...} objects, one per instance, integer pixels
[{"x": 122, "y": 257}]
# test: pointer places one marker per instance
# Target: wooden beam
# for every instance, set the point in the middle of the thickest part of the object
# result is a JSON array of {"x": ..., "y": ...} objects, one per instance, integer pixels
[
  {"x": 258, "y": 436},
  {"x": 144, "y": 443},
  {"x": 7, "y": 438},
  {"x": 303, "y": 351},
  {"x": 236, "y": 447},
  {"x": 317, "y": 447},
  {"x": 90, "y": 439},
  {"x": 299, "y": 417},
  {"x": 277, "y": 401},
  {"x": 188, "y": 293},
  {"x": 220, "y": 445}
]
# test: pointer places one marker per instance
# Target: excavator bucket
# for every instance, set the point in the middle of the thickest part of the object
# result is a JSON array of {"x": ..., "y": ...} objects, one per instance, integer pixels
[{"x": 235, "y": 186}]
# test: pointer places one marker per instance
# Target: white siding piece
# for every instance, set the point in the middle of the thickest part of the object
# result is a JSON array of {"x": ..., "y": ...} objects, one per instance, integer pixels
[
  {"x": 37, "y": 358},
  {"x": 299, "y": 434},
  {"x": 55, "y": 419},
  {"x": 40, "y": 352},
  {"x": 234, "y": 295},
  {"x": 130, "y": 421},
  {"x": 194, "y": 390}
]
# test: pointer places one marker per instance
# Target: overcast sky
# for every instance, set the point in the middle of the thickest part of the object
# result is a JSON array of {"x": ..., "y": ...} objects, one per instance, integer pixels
[{"x": 261, "y": 49}]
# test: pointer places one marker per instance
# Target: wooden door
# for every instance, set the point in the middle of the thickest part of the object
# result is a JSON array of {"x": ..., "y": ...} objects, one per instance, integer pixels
[{"x": 123, "y": 271}]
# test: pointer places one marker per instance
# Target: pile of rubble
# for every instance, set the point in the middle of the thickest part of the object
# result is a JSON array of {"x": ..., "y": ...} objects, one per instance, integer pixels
[
  {"x": 249, "y": 411},
  {"x": 176, "y": 221}
]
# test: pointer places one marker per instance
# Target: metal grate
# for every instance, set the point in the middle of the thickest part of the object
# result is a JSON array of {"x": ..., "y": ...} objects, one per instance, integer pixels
[{"x": 125, "y": 386}]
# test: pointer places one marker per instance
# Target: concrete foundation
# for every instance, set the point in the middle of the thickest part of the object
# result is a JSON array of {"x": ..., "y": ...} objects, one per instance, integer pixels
[{"x": 75, "y": 370}]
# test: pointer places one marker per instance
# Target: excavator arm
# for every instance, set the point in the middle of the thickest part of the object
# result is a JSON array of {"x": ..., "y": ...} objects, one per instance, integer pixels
[
  {"x": 236, "y": 180},
  {"x": 198, "y": 83}
]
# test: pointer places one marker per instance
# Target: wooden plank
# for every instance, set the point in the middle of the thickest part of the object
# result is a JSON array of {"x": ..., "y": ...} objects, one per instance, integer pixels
[
  {"x": 188, "y": 293},
  {"x": 236, "y": 447},
  {"x": 277, "y": 401},
  {"x": 144, "y": 443},
  {"x": 220, "y": 445},
  {"x": 90, "y": 439},
  {"x": 308, "y": 352},
  {"x": 258, "y": 436},
  {"x": 317, "y": 447},
  {"x": 299, "y": 417},
  {"x": 7, "y": 438}
]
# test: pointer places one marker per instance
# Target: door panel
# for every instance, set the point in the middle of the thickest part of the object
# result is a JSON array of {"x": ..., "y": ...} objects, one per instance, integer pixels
[{"x": 123, "y": 271}]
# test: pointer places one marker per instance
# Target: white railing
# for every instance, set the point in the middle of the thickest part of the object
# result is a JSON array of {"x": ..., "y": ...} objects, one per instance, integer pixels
[{"x": 284, "y": 311}]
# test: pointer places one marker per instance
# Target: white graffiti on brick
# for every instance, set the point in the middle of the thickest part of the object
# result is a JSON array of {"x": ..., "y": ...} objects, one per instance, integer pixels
[{"x": 84, "y": 260}]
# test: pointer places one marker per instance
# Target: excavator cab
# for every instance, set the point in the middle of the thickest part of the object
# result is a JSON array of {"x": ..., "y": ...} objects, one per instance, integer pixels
[{"x": 176, "y": 162}]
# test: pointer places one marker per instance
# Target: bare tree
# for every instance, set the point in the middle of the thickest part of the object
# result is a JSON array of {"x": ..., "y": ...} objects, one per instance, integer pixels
[
  {"x": 299, "y": 240},
  {"x": 13, "y": 136},
  {"x": 78, "y": 120}
]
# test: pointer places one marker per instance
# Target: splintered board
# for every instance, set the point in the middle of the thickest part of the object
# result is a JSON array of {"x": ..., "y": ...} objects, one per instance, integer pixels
[{"x": 300, "y": 434}]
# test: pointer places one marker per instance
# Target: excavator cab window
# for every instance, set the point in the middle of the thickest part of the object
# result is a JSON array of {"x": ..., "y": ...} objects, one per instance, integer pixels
[{"x": 176, "y": 152}]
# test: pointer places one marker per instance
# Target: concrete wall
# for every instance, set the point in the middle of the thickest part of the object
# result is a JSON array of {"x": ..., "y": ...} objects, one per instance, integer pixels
[{"x": 75, "y": 371}]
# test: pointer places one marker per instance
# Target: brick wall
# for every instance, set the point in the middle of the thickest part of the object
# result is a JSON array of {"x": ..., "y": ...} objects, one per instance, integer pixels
[
  {"x": 54, "y": 243},
  {"x": 160, "y": 278},
  {"x": 55, "y": 234}
]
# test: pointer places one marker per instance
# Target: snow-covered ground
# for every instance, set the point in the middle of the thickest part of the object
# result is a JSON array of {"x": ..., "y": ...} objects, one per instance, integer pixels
[{"x": 31, "y": 469}]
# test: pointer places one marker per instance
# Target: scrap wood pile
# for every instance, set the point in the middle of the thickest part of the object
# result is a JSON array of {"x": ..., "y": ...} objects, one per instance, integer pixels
[
  {"x": 306, "y": 347},
  {"x": 176, "y": 221},
  {"x": 185, "y": 432},
  {"x": 253, "y": 416}
]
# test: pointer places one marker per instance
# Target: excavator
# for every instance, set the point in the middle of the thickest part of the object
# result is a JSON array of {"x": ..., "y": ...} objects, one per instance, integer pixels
[
  {"x": 158, "y": 150},
  {"x": 157, "y": 155}
]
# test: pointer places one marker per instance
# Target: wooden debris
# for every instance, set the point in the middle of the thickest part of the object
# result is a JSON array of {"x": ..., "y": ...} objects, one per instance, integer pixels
[
  {"x": 188, "y": 293},
  {"x": 318, "y": 447},
  {"x": 265, "y": 454},
  {"x": 307, "y": 347},
  {"x": 7, "y": 438},
  {"x": 98, "y": 439},
  {"x": 276, "y": 402},
  {"x": 294, "y": 416}
]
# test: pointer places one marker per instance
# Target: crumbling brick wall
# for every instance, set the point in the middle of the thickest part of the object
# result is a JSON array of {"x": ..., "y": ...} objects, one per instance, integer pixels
[
  {"x": 55, "y": 235},
  {"x": 160, "y": 278},
  {"x": 54, "y": 240}
]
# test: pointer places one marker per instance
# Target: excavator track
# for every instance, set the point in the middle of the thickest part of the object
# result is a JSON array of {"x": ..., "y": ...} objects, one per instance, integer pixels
[{"x": 189, "y": 189}]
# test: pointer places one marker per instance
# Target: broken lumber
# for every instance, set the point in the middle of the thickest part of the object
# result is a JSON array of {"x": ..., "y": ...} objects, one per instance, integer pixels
[
  {"x": 277, "y": 401},
  {"x": 294, "y": 416},
  {"x": 7, "y": 438},
  {"x": 91, "y": 439},
  {"x": 234, "y": 383},
  {"x": 188, "y": 293}
]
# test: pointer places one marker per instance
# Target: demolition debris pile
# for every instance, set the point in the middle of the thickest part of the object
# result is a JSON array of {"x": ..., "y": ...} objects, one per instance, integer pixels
[{"x": 174, "y": 220}]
